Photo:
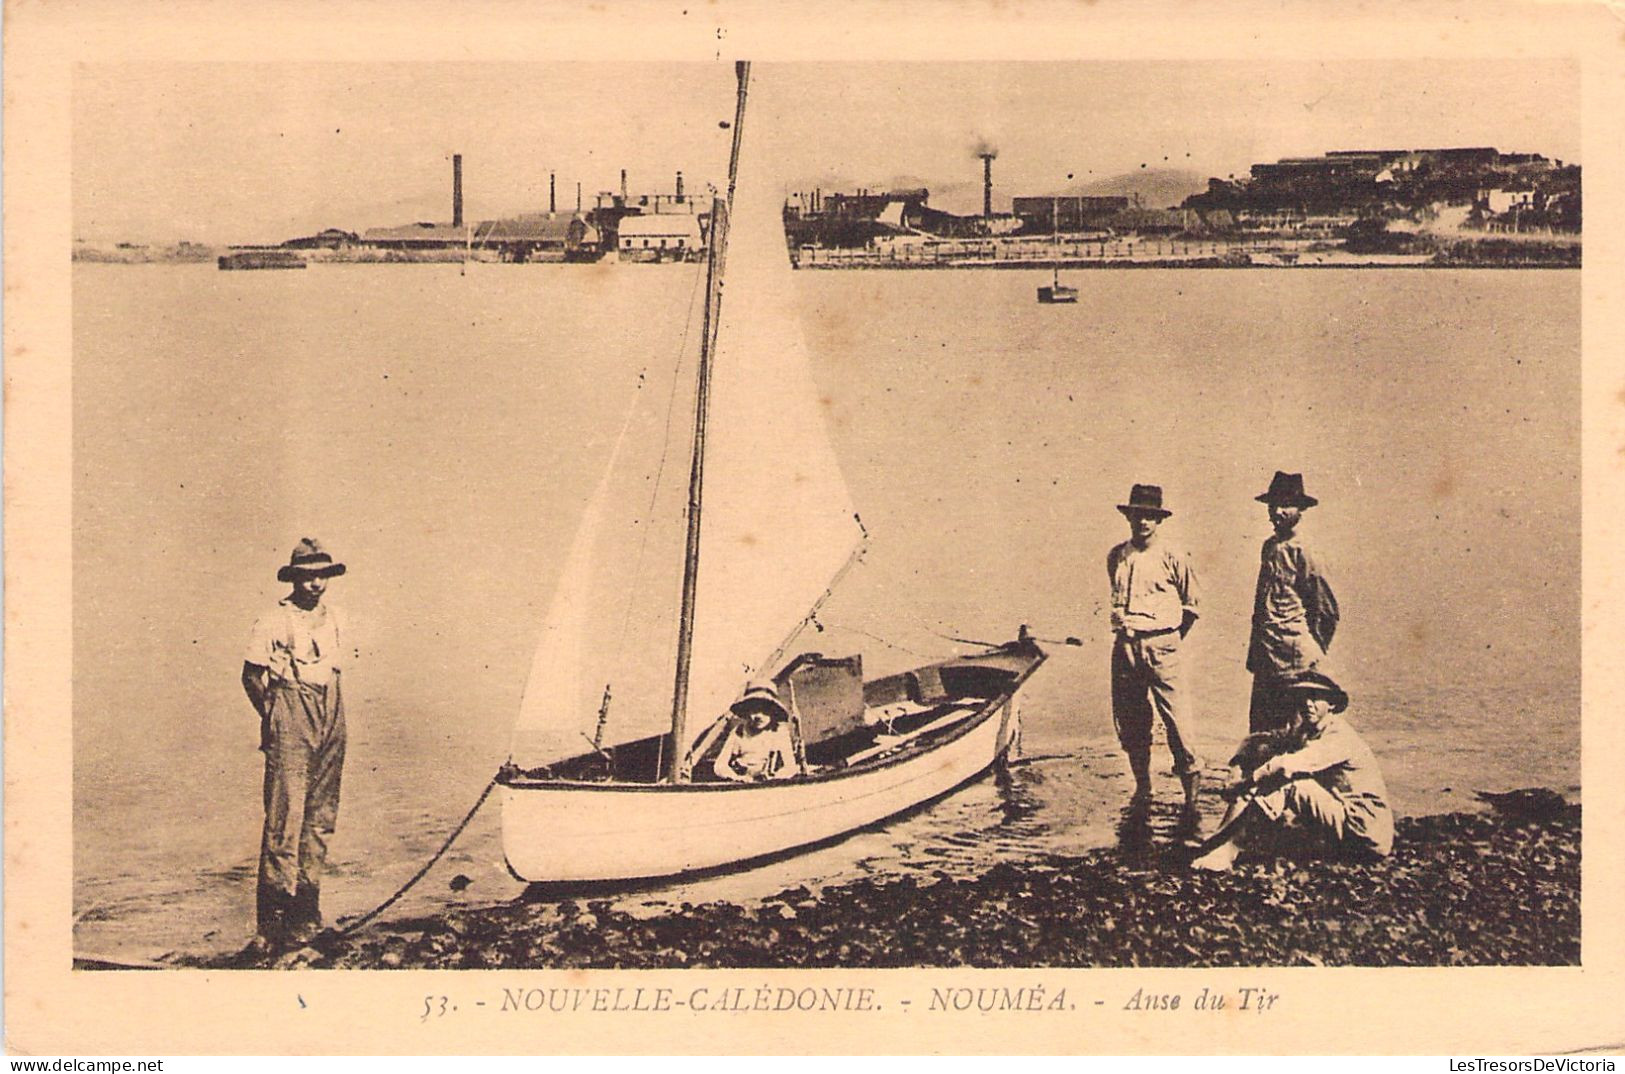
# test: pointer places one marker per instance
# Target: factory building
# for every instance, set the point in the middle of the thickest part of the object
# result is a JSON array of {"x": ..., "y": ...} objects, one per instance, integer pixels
[
  {"x": 1068, "y": 213},
  {"x": 419, "y": 236},
  {"x": 539, "y": 237},
  {"x": 327, "y": 239},
  {"x": 660, "y": 237}
]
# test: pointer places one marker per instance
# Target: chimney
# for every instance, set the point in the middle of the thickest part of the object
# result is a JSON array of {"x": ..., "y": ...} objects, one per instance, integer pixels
[
  {"x": 623, "y": 184},
  {"x": 552, "y": 202},
  {"x": 578, "y": 197},
  {"x": 987, "y": 186},
  {"x": 679, "y": 186},
  {"x": 456, "y": 190}
]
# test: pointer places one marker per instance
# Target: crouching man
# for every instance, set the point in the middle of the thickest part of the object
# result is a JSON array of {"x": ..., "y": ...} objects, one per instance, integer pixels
[{"x": 1324, "y": 781}]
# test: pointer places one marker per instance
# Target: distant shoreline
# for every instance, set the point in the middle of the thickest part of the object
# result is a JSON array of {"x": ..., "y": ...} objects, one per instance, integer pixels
[
  {"x": 1213, "y": 263},
  {"x": 1487, "y": 252},
  {"x": 958, "y": 266}
]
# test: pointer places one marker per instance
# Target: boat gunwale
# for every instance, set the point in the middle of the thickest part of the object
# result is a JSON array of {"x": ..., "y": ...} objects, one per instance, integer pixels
[{"x": 958, "y": 731}]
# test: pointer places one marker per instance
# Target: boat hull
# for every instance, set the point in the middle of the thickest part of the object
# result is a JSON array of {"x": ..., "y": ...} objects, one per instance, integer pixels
[
  {"x": 580, "y": 832},
  {"x": 1058, "y": 294}
]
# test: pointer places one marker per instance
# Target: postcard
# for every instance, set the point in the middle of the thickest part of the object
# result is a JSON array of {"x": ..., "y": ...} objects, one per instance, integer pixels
[{"x": 835, "y": 528}]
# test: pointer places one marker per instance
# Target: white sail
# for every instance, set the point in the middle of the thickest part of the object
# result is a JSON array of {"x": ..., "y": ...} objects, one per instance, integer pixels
[
  {"x": 777, "y": 522},
  {"x": 549, "y": 712},
  {"x": 612, "y": 619}
]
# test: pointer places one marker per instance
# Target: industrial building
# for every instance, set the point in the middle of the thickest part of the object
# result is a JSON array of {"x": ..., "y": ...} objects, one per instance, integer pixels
[
  {"x": 1068, "y": 212},
  {"x": 539, "y": 237},
  {"x": 419, "y": 236},
  {"x": 660, "y": 237}
]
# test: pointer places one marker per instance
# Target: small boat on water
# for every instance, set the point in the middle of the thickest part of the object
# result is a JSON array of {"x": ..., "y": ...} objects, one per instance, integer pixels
[
  {"x": 1056, "y": 292},
  {"x": 261, "y": 259},
  {"x": 641, "y": 664}
]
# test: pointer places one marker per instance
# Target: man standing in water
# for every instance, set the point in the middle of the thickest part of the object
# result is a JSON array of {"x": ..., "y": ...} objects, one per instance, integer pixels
[
  {"x": 291, "y": 675},
  {"x": 1153, "y": 607},
  {"x": 1294, "y": 610}
]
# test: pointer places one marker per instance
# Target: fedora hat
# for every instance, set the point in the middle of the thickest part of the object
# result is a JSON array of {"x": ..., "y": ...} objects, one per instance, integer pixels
[
  {"x": 309, "y": 559},
  {"x": 1145, "y": 500},
  {"x": 760, "y": 697},
  {"x": 1316, "y": 682},
  {"x": 1287, "y": 490}
]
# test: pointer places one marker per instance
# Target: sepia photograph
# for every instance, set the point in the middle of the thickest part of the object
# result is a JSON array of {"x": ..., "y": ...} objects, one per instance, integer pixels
[
  {"x": 760, "y": 513},
  {"x": 755, "y": 512}
]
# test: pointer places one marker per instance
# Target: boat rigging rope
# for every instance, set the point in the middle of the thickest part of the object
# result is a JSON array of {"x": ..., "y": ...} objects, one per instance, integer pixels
[
  {"x": 884, "y": 641},
  {"x": 367, "y": 918},
  {"x": 660, "y": 469}
]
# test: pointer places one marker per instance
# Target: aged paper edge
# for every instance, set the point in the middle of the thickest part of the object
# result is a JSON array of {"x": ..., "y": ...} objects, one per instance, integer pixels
[{"x": 51, "y": 1009}]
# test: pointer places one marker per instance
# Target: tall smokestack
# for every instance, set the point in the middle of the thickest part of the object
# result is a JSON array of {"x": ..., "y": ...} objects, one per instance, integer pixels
[
  {"x": 456, "y": 190},
  {"x": 679, "y": 186},
  {"x": 623, "y": 183},
  {"x": 552, "y": 185},
  {"x": 987, "y": 186},
  {"x": 578, "y": 197}
]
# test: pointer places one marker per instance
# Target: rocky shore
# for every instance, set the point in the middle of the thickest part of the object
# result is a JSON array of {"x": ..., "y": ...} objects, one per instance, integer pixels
[{"x": 1498, "y": 888}]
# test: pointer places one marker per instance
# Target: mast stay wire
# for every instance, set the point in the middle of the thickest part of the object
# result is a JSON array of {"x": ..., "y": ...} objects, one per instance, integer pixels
[{"x": 657, "y": 483}]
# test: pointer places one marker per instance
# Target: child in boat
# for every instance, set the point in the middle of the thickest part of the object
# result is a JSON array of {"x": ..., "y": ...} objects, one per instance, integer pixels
[{"x": 758, "y": 747}]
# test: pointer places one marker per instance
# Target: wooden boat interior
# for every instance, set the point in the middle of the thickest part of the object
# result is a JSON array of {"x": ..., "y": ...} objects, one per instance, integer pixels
[{"x": 845, "y": 724}]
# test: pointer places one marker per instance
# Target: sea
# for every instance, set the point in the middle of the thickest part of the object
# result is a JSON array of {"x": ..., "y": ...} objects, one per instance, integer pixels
[{"x": 439, "y": 428}]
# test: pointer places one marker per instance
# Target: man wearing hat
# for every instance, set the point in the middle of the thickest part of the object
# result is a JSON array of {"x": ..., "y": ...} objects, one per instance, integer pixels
[
  {"x": 1154, "y": 605},
  {"x": 291, "y": 675},
  {"x": 1327, "y": 783},
  {"x": 1294, "y": 609}
]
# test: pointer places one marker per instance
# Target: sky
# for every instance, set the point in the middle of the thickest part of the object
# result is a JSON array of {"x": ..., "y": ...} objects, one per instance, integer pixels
[{"x": 240, "y": 152}]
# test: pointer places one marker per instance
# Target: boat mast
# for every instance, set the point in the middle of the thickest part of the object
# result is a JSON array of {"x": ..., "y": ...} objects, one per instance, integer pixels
[
  {"x": 1055, "y": 238},
  {"x": 676, "y": 768}
]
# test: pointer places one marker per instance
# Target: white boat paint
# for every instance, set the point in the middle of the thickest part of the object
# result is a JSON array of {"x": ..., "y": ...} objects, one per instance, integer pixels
[{"x": 575, "y": 832}]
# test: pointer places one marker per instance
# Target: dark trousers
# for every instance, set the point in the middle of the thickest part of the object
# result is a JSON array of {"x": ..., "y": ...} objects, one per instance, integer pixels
[{"x": 1271, "y": 708}]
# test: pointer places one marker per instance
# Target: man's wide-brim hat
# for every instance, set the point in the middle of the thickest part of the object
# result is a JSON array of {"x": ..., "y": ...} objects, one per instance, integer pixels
[
  {"x": 1145, "y": 500},
  {"x": 1287, "y": 490},
  {"x": 309, "y": 560},
  {"x": 1319, "y": 684},
  {"x": 760, "y": 697}
]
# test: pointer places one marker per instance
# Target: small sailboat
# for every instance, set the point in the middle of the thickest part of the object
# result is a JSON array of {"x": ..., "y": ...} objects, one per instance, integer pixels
[
  {"x": 1056, "y": 291},
  {"x": 613, "y": 774}
]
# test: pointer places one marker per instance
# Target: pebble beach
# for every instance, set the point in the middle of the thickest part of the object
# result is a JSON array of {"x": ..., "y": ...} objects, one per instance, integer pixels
[{"x": 1497, "y": 888}]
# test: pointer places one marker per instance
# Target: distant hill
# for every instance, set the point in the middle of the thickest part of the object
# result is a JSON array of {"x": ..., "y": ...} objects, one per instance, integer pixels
[{"x": 1161, "y": 188}]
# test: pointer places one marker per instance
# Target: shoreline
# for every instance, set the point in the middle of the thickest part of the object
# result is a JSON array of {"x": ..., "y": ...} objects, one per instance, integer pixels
[
  {"x": 878, "y": 265},
  {"x": 1460, "y": 889}
]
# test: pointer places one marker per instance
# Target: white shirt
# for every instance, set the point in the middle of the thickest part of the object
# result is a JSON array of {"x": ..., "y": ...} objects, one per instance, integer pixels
[{"x": 298, "y": 646}]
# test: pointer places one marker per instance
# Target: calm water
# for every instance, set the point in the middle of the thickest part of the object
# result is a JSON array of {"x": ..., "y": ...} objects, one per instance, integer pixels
[{"x": 440, "y": 432}]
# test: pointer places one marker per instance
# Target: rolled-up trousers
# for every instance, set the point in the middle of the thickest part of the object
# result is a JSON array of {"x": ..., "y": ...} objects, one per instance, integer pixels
[{"x": 304, "y": 759}]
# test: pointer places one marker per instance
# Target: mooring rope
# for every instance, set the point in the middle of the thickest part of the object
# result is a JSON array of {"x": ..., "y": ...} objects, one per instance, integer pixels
[{"x": 368, "y": 917}]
